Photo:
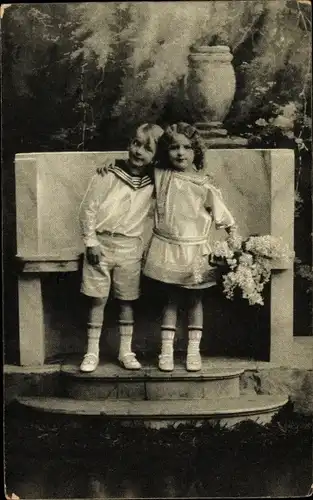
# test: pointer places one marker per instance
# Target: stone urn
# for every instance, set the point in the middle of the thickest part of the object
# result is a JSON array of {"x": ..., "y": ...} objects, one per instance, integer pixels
[{"x": 211, "y": 86}]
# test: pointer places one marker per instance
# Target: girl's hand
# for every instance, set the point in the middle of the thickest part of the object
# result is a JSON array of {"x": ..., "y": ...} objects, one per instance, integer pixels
[
  {"x": 103, "y": 170},
  {"x": 232, "y": 230},
  {"x": 93, "y": 255}
]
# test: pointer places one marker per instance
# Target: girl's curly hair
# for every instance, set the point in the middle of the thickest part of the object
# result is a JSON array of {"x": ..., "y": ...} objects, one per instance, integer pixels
[{"x": 162, "y": 157}]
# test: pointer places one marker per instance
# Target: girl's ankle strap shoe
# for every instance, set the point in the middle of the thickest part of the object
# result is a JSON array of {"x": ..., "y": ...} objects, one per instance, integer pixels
[
  {"x": 89, "y": 363},
  {"x": 193, "y": 362},
  {"x": 166, "y": 362},
  {"x": 129, "y": 361}
]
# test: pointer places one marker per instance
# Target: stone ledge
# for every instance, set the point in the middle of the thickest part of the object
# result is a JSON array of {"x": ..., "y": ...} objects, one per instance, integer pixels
[
  {"x": 152, "y": 390},
  {"x": 67, "y": 262},
  {"x": 297, "y": 383},
  {"x": 111, "y": 381},
  {"x": 31, "y": 381},
  {"x": 165, "y": 413},
  {"x": 149, "y": 373},
  {"x": 27, "y": 370},
  {"x": 304, "y": 340}
]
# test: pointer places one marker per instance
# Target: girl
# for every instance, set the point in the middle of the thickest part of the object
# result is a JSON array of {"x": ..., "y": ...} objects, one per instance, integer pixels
[
  {"x": 113, "y": 214},
  {"x": 186, "y": 205}
]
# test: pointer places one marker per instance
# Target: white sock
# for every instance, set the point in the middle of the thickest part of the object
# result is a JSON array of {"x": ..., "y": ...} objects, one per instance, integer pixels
[
  {"x": 167, "y": 336},
  {"x": 194, "y": 338},
  {"x": 94, "y": 334},
  {"x": 126, "y": 337}
]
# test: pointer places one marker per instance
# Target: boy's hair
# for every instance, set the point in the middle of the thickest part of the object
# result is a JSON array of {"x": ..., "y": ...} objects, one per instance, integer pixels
[
  {"x": 151, "y": 133},
  {"x": 167, "y": 138}
]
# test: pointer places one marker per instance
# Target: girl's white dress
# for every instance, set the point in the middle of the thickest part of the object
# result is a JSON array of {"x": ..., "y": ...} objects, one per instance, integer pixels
[{"x": 186, "y": 206}]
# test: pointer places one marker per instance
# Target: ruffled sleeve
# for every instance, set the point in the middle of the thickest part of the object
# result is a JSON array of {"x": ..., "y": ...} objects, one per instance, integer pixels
[{"x": 215, "y": 205}]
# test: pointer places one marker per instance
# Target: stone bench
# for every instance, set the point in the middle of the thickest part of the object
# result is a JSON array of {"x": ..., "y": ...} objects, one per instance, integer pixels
[{"x": 258, "y": 187}]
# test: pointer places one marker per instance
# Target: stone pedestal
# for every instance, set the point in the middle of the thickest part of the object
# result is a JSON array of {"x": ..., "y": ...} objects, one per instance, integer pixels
[
  {"x": 282, "y": 226},
  {"x": 31, "y": 320}
]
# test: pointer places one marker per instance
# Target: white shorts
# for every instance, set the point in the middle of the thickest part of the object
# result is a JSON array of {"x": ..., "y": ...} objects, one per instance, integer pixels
[{"x": 119, "y": 268}]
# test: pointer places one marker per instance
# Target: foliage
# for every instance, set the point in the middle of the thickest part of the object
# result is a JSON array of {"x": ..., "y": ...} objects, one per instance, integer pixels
[
  {"x": 275, "y": 72},
  {"x": 43, "y": 88},
  {"x": 306, "y": 272},
  {"x": 213, "y": 457}
]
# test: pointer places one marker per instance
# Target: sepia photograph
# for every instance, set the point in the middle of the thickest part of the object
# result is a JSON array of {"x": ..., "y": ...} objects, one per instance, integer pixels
[{"x": 157, "y": 249}]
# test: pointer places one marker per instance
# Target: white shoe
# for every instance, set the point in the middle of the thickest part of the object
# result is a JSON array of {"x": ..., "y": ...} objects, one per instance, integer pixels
[
  {"x": 166, "y": 362},
  {"x": 129, "y": 361},
  {"x": 89, "y": 363},
  {"x": 193, "y": 362}
]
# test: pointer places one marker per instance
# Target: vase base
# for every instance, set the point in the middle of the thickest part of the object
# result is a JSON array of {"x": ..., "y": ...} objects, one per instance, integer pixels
[
  {"x": 211, "y": 128},
  {"x": 229, "y": 142},
  {"x": 211, "y": 132},
  {"x": 215, "y": 136}
]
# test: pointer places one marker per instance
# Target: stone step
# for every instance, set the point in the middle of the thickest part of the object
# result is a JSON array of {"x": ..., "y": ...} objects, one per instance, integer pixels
[
  {"x": 157, "y": 414},
  {"x": 110, "y": 381}
]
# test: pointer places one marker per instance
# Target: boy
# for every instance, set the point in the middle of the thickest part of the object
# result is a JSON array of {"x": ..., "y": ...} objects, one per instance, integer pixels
[{"x": 112, "y": 217}]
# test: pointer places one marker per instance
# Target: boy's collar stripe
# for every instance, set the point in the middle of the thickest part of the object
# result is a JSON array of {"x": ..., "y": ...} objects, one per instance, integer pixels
[
  {"x": 135, "y": 182},
  {"x": 135, "y": 178}
]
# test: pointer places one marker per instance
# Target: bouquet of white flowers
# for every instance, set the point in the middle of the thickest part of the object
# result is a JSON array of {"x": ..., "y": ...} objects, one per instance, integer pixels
[{"x": 246, "y": 264}]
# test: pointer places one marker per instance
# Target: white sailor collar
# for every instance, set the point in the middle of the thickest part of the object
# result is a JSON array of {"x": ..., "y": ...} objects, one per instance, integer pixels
[{"x": 134, "y": 181}]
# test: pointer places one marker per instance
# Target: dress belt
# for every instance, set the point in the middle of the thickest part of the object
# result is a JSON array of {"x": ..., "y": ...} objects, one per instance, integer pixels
[
  {"x": 177, "y": 240},
  {"x": 113, "y": 234}
]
